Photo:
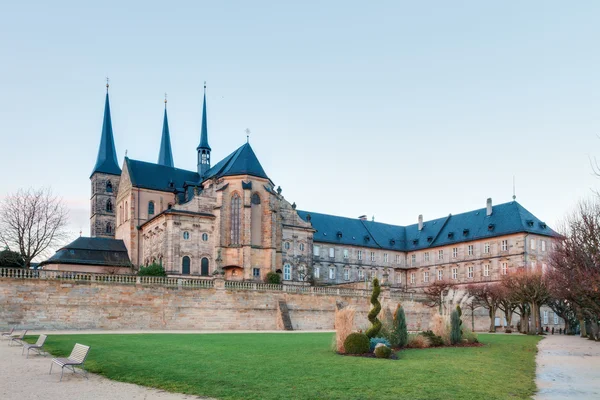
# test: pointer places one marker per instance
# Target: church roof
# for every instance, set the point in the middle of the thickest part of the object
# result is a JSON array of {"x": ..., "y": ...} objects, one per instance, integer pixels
[
  {"x": 92, "y": 251},
  {"x": 242, "y": 161},
  {"x": 165, "y": 154},
  {"x": 158, "y": 177},
  {"x": 106, "y": 162},
  {"x": 204, "y": 132},
  {"x": 506, "y": 219}
]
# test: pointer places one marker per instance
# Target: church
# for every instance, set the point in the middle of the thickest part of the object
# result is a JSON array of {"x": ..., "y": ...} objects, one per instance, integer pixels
[{"x": 230, "y": 218}]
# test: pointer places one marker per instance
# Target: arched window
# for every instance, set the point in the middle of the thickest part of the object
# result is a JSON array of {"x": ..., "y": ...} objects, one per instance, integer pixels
[
  {"x": 185, "y": 265},
  {"x": 109, "y": 228},
  {"x": 121, "y": 213},
  {"x": 109, "y": 206},
  {"x": 126, "y": 211},
  {"x": 204, "y": 267},
  {"x": 150, "y": 208},
  {"x": 287, "y": 272},
  {"x": 235, "y": 219},
  {"x": 256, "y": 220},
  {"x": 109, "y": 187}
]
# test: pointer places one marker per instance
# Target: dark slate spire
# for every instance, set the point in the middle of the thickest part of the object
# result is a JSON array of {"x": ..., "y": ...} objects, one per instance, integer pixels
[
  {"x": 107, "y": 155},
  {"x": 203, "y": 148},
  {"x": 165, "y": 155}
]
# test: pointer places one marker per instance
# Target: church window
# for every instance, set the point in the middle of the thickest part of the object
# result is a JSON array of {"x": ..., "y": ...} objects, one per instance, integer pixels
[
  {"x": 186, "y": 235},
  {"x": 109, "y": 228},
  {"x": 150, "y": 208},
  {"x": 287, "y": 272},
  {"x": 301, "y": 246},
  {"x": 109, "y": 187},
  {"x": 235, "y": 219},
  {"x": 286, "y": 245},
  {"x": 205, "y": 237},
  {"x": 204, "y": 267},
  {"x": 255, "y": 220},
  {"x": 185, "y": 265},
  {"x": 109, "y": 206}
]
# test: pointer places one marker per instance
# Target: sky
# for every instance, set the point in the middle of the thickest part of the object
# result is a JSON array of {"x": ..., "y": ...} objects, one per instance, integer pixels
[{"x": 390, "y": 109}]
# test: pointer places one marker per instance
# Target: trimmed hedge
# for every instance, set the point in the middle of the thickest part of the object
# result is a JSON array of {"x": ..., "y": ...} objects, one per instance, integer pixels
[
  {"x": 383, "y": 352},
  {"x": 356, "y": 343}
]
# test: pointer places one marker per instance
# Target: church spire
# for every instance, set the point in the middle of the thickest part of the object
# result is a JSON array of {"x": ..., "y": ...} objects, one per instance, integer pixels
[
  {"x": 106, "y": 162},
  {"x": 203, "y": 148},
  {"x": 165, "y": 155}
]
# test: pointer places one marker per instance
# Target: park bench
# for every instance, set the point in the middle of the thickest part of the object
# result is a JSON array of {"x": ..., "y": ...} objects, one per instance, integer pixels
[
  {"x": 37, "y": 346},
  {"x": 18, "y": 339},
  {"x": 76, "y": 359}
]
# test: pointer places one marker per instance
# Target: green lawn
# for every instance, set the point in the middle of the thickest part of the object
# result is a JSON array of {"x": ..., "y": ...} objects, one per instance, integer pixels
[{"x": 302, "y": 366}]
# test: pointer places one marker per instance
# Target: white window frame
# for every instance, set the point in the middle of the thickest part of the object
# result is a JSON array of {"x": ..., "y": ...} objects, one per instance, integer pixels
[
  {"x": 425, "y": 276},
  {"x": 440, "y": 274},
  {"x": 385, "y": 257},
  {"x": 555, "y": 319},
  {"x": 413, "y": 259},
  {"x": 504, "y": 266},
  {"x": 454, "y": 273},
  {"x": 398, "y": 277},
  {"x": 486, "y": 270},
  {"x": 255, "y": 270},
  {"x": 359, "y": 255},
  {"x": 372, "y": 256},
  {"x": 486, "y": 248},
  {"x": 505, "y": 245},
  {"x": 426, "y": 254},
  {"x": 332, "y": 252},
  {"x": 440, "y": 254},
  {"x": 543, "y": 245},
  {"x": 398, "y": 259},
  {"x": 317, "y": 272},
  {"x": 532, "y": 243},
  {"x": 287, "y": 272},
  {"x": 470, "y": 271},
  {"x": 412, "y": 278},
  {"x": 316, "y": 250},
  {"x": 332, "y": 273},
  {"x": 346, "y": 274},
  {"x": 361, "y": 275},
  {"x": 454, "y": 252},
  {"x": 470, "y": 250},
  {"x": 346, "y": 254},
  {"x": 545, "y": 317}
]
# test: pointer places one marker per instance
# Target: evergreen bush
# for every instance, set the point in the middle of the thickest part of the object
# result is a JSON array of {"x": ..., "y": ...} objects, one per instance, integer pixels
[
  {"x": 399, "y": 334},
  {"x": 434, "y": 340},
  {"x": 373, "y": 331},
  {"x": 273, "y": 277},
  {"x": 383, "y": 352},
  {"x": 356, "y": 343},
  {"x": 375, "y": 341},
  {"x": 153, "y": 269},
  {"x": 455, "y": 331}
]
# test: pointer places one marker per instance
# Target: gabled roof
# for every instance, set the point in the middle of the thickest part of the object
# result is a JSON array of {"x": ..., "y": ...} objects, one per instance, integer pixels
[
  {"x": 106, "y": 162},
  {"x": 92, "y": 251},
  {"x": 242, "y": 161},
  {"x": 506, "y": 219},
  {"x": 165, "y": 154},
  {"x": 158, "y": 177}
]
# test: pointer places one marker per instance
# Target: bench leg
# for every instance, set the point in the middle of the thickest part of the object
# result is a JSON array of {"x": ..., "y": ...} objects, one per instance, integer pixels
[
  {"x": 51, "y": 364},
  {"x": 62, "y": 370}
]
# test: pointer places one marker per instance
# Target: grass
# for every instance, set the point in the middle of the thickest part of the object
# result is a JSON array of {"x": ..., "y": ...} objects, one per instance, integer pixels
[{"x": 303, "y": 366}]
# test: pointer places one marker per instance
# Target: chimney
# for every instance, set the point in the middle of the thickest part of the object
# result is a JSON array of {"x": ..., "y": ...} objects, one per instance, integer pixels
[
  {"x": 489, "y": 207},
  {"x": 421, "y": 222},
  {"x": 363, "y": 217}
]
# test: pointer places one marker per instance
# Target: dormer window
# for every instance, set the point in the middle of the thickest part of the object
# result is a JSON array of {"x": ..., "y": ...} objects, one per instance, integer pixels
[
  {"x": 490, "y": 227},
  {"x": 451, "y": 235},
  {"x": 339, "y": 234},
  {"x": 543, "y": 225},
  {"x": 530, "y": 222},
  {"x": 392, "y": 242},
  {"x": 415, "y": 242},
  {"x": 171, "y": 184},
  {"x": 465, "y": 232},
  {"x": 429, "y": 239},
  {"x": 367, "y": 239}
]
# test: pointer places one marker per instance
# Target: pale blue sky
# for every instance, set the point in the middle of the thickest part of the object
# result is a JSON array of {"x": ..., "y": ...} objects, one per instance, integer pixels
[{"x": 391, "y": 109}]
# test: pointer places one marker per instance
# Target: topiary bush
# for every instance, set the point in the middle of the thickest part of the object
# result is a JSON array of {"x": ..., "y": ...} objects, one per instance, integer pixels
[
  {"x": 383, "y": 352},
  {"x": 373, "y": 331},
  {"x": 399, "y": 335},
  {"x": 434, "y": 340},
  {"x": 455, "y": 331},
  {"x": 153, "y": 269},
  {"x": 356, "y": 343},
  {"x": 375, "y": 341},
  {"x": 273, "y": 277}
]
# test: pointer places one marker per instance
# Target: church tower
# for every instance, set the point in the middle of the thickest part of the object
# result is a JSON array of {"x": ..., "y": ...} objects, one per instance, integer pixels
[
  {"x": 165, "y": 154},
  {"x": 105, "y": 181},
  {"x": 203, "y": 148}
]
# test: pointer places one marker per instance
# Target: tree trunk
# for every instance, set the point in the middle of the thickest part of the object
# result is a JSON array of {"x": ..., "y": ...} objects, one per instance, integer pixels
[
  {"x": 508, "y": 315},
  {"x": 492, "y": 319},
  {"x": 534, "y": 318},
  {"x": 473, "y": 319},
  {"x": 582, "y": 331},
  {"x": 566, "y": 327}
]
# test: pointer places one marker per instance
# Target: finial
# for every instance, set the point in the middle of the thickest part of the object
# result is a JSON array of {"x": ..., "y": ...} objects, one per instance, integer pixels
[
  {"x": 125, "y": 152},
  {"x": 514, "y": 192},
  {"x": 247, "y": 135},
  {"x": 165, "y": 100},
  {"x": 80, "y": 232},
  {"x": 107, "y": 83},
  {"x": 204, "y": 87}
]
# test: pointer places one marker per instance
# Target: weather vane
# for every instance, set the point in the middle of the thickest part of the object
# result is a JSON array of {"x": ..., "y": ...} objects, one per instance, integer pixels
[
  {"x": 165, "y": 99},
  {"x": 107, "y": 81},
  {"x": 247, "y": 135}
]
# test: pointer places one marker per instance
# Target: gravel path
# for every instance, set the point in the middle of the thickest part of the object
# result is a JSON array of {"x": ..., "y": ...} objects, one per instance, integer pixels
[
  {"x": 568, "y": 367},
  {"x": 22, "y": 378}
]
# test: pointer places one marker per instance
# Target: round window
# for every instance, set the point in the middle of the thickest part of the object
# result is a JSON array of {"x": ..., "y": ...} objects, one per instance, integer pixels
[
  {"x": 286, "y": 245},
  {"x": 186, "y": 235},
  {"x": 205, "y": 237}
]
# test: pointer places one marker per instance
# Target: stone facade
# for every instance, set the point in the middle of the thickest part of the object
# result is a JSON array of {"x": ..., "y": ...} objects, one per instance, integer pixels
[{"x": 103, "y": 204}]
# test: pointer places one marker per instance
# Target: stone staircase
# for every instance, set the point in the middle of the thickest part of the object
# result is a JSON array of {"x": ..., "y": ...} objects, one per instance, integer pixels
[{"x": 285, "y": 316}]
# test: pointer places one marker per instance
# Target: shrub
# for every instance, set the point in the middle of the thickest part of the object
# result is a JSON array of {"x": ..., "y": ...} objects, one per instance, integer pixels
[
  {"x": 344, "y": 320},
  {"x": 470, "y": 336},
  {"x": 417, "y": 341},
  {"x": 434, "y": 340},
  {"x": 356, "y": 343},
  {"x": 273, "y": 277},
  {"x": 387, "y": 324},
  {"x": 399, "y": 334},
  {"x": 455, "y": 333},
  {"x": 153, "y": 269},
  {"x": 383, "y": 352},
  {"x": 375, "y": 341},
  {"x": 373, "y": 331},
  {"x": 441, "y": 327}
]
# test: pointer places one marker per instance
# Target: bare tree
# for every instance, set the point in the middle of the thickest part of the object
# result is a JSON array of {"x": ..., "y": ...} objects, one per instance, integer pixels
[
  {"x": 32, "y": 222},
  {"x": 486, "y": 296},
  {"x": 529, "y": 287},
  {"x": 436, "y": 294}
]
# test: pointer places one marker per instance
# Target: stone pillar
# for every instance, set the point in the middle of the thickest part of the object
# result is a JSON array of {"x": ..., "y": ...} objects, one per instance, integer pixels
[{"x": 219, "y": 283}]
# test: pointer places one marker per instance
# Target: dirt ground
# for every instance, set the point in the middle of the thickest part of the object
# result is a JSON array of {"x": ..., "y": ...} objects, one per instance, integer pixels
[
  {"x": 22, "y": 378},
  {"x": 568, "y": 367}
]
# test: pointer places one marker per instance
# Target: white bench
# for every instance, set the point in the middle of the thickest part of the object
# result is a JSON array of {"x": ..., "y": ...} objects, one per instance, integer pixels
[
  {"x": 37, "y": 346},
  {"x": 76, "y": 359}
]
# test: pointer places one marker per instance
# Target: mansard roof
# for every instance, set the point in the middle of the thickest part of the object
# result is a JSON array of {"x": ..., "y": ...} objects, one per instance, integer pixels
[
  {"x": 92, "y": 251},
  {"x": 242, "y": 161},
  {"x": 506, "y": 219},
  {"x": 158, "y": 177}
]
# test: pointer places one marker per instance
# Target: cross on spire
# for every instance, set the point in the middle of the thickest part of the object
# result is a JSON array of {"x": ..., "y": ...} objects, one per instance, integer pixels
[
  {"x": 247, "y": 135},
  {"x": 107, "y": 83}
]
